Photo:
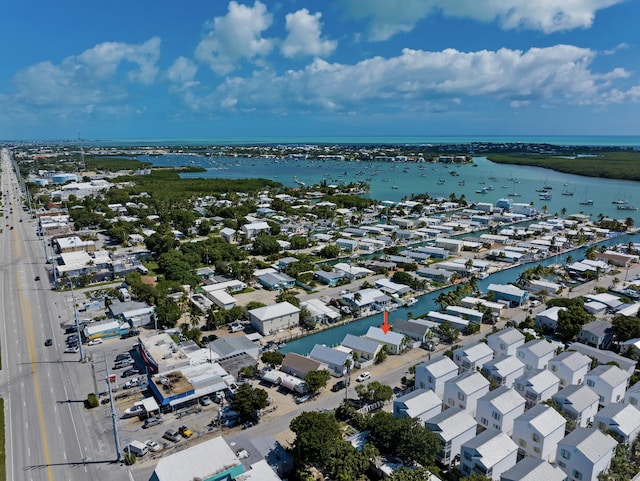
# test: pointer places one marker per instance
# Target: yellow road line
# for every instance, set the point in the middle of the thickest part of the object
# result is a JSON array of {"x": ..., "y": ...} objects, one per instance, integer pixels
[{"x": 27, "y": 321}]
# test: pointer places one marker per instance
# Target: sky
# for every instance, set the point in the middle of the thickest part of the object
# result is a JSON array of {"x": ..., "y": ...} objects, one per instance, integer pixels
[{"x": 217, "y": 69}]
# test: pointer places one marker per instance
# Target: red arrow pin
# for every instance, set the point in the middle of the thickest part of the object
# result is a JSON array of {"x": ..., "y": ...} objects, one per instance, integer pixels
[{"x": 385, "y": 326}]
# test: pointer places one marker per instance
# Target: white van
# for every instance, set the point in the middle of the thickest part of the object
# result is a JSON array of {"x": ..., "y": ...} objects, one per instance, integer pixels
[{"x": 138, "y": 448}]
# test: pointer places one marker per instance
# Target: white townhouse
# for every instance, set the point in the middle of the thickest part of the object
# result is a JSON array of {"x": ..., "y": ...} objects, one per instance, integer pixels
[
  {"x": 395, "y": 342},
  {"x": 570, "y": 367},
  {"x": 536, "y": 386},
  {"x": 538, "y": 432},
  {"x": 499, "y": 408},
  {"x": 464, "y": 391},
  {"x": 579, "y": 403},
  {"x": 489, "y": 454},
  {"x": 453, "y": 427},
  {"x": 503, "y": 369},
  {"x": 468, "y": 358},
  {"x": 622, "y": 421},
  {"x": 609, "y": 382},
  {"x": 505, "y": 342},
  {"x": 434, "y": 374},
  {"x": 533, "y": 469},
  {"x": 419, "y": 404},
  {"x": 536, "y": 354},
  {"x": 548, "y": 319},
  {"x": 585, "y": 453},
  {"x": 276, "y": 317}
]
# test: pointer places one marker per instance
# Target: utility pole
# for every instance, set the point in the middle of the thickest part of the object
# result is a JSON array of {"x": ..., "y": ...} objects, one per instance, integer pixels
[
  {"x": 77, "y": 321},
  {"x": 114, "y": 417}
]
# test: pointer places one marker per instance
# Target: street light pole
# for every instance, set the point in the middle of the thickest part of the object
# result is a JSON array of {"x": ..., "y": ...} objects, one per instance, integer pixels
[
  {"x": 77, "y": 321},
  {"x": 114, "y": 417}
]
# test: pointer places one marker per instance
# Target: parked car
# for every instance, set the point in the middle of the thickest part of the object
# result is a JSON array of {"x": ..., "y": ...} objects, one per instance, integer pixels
[
  {"x": 185, "y": 432},
  {"x": 153, "y": 446},
  {"x": 48, "y": 342},
  {"x": 365, "y": 376},
  {"x": 172, "y": 435},
  {"x": 153, "y": 421},
  {"x": 134, "y": 410},
  {"x": 205, "y": 401},
  {"x": 94, "y": 342},
  {"x": 339, "y": 385},
  {"x": 72, "y": 350},
  {"x": 303, "y": 399},
  {"x": 124, "y": 355},
  {"x": 132, "y": 371}
]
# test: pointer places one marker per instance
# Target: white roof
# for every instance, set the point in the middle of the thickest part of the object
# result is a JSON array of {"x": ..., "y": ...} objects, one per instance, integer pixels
[
  {"x": 625, "y": 417},
  {"x": 451, "y": 423},
  {"x": 593, "y": 444},
  {"x": 504, "y": 399},
  {"x": 543, "y": 419},
  {"x": 440, "y": 367},
  {"x": 609, "y": 374},
  {"x": 538, "y": 380},
  {"x": 475, "y": 351},
  {"x": 470, "y": 381},
  {"x": 539, "y": 347},
  {"x": 378, "y": 335},
  {"x": 506, "y": 289},
  {"x": 508, "y": 336},
  {"x": 492, "y": 447},
  {"x": 275, "y": 310},
  {"x": 260, "y": 471}
]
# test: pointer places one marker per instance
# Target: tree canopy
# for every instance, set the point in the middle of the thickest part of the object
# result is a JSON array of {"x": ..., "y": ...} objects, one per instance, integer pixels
[{"x": 247, "y": 400}]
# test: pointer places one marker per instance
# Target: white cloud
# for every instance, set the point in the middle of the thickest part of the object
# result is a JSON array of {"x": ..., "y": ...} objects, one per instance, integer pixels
[
  {"x": 390, "y": 17},
  {"x": 304, "y": 36},
  {"x": 620, "y": 46},
  {"x": 236, "y": 36},
  {"x": 182, "y": 73},
  {"x": 419, "y": 80}
]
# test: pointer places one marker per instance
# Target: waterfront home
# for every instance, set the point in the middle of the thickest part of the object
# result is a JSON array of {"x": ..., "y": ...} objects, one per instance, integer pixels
[
  {"x": 570, "y": 367},
  {"x": 468, "y": 358},
  {"x": 499, "y": 408},
  {"x": 276, "y": 317},
  {"x": 537, "y": 385},
  {"x": 543, "y": 285},
  {"x": 585, "y": 453},
  {"x": 489, "y": 454},
  {"x": 419, "y": 404},
  {"x": 390, "y": 287},
  {"x": 598, "y": 333},
  {"x": 335, "y": 360},
  {"x": 533, "y": 469},
  {"x": 503, "y": 370},
  {"x": 474, "y": 302},
  {"x": 363, "y": 350},
  {"x": 538, "y": 431},
  {"x": 548, "y": 319},
  {"x": 320, "y": 312},
  {"x": 536, "y": 354},
  {"x": 434, "y": 374},
  {"x": 347, "y": 245},
  {"x": 299, "y": 366},
  {"x": 453, "y": 427},
  {"x": 622, "y": 421},
  {"x": 471, "y": 315},
  {"x": 464, "y": 390},
  {"x": 455, "y": 321},
  {"x": 372, "y": 299},
  {"x": 579, "y": 403},
  {"x": 604, "y": 357},
  {"x": 418, "y": 332},
  {"x": 506, "y": 341},
  {"x": 330, "y": 278},
  {"x": 509, "y": 293},
  {"x": 394, "y": 342},
  {"x": 608, "y": 382},
  {"x": 351, "y": 272}
]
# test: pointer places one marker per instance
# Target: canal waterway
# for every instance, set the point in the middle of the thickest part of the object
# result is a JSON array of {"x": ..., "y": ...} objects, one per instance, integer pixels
[{"x": 426, "y": 303}]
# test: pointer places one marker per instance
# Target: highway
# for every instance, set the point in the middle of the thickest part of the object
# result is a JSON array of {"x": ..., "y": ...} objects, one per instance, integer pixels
[{"x": 49, "y": 435}]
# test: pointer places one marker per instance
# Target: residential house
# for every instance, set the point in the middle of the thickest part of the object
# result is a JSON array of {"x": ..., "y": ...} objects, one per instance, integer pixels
[
  {"x": 570, "y": 367},
  {"x": 468, "y": 358},
  {"x": 299, "y": 366},
  {"x": 371, "y": 299},
  {"x": 609, "y": 383},
  {"x": 453, "y": 428},
  {"x": 533, "y": 469},
  {"x": 335, "y": 360},
  {"x": 503, "y": 369},
  {"x": 394, "y": 342},
  {"x": 538, "y": 432},
  {"x": 420, "y": 404},
  {"x": 509, "y": 293},
  {"x": 276, "y": 317},
  {"x": 632, "y": 396},
  {"x": 506, "y": 341},
  {"x": 464, "y": 390},
  {"x": 499, "y": 408},
  {"x": 596, "y": 333},
  {"x": 537, "y": 385},
  {"x": 536, "y": 354},
  {"x": 330, "y": 278},
  {"x": 434, "y": 374},
  {"x": 350, "y": 271},
  {"x": 579, "y": 403},
  {"x": 276, "y": 280},
  {"x": 489, "y": 454},
  {"x": 548, "y": 319},
  {"x": 585, "y": 453},
  {"x": 362, "y": 349},
  {"x": 604, "y": 357},
  {"x": 414, "y": 330},
  {"x": 622, "y": 421},
  {"x": 252, "y": 230}
]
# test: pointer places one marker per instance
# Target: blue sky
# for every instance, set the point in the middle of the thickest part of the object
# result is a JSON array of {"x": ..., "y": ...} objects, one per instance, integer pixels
[{"x": 291, "y": 68}]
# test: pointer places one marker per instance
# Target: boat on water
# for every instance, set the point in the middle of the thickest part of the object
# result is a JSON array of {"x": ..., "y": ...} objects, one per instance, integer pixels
[
  {"x": 395, "y": 187},
  {"x": 441, "y": 181},
  {"x": 545, "y": 195},
  {"x": 620, "y": 201},
  {"x": 626, "y": 207},
  {"x": 586, "y": 202},
  {"x": 461, "y": 182},
  {"x": 411, "y": 301}
]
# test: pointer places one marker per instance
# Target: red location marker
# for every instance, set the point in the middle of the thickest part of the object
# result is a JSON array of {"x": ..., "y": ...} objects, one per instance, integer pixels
[{"x": 385, "y": 326}]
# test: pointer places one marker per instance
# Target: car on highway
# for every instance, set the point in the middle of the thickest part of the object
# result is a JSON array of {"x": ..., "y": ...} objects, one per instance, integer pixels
[
  {"x": 365, "y": 376},
  {"x": 153, "y": 421},
  {"x": 94, "y": 342},
  {"x": 185, "y": 432},
  {"x": 153, "y": 446},
  {"x": 72, "y": 350},
  {"x": 172, "y": 435},
  {"x": 48, "y": 342}
]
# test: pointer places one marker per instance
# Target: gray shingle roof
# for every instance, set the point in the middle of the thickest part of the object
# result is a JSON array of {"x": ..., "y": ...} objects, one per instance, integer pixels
[{"x": 360, "y": 343}]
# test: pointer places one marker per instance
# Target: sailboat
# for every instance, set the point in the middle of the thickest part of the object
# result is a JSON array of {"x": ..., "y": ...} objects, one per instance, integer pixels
[
  {"x": 566, "y": 191},
  {"x": 586, "y": 201}
]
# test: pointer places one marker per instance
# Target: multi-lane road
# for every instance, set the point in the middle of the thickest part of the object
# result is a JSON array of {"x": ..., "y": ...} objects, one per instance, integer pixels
[{"x": 49, "y": 435}]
